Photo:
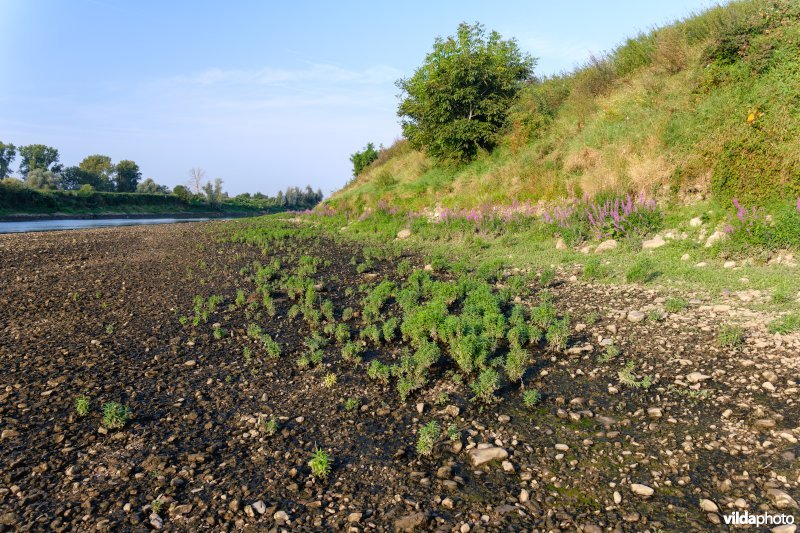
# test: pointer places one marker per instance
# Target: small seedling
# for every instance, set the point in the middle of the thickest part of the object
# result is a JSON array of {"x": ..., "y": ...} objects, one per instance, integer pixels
[
  {"x": 156, "y": 506},
  {"x": 610, "y": 353},
  {"x": 352, "y": 403},
  {"x": 82, "y": 406},
  {"x": 655, "y": 315},
  {"x": 674, "y": 305},
  {"x": 115, "y": 415},
  {"x": 531, "y": 397},
  {"x": 452, "y": 432},
  {"x": 329, "y": 380},
  {"x": 269, "y": 426},
  {"x": 320, "y": 464},
  {"x": 627, "y": 377},
  {"x": 427, "y": 436}
]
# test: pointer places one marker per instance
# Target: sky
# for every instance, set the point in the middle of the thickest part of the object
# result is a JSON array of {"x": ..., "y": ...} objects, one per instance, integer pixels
[{"x": 261, "y": 94}]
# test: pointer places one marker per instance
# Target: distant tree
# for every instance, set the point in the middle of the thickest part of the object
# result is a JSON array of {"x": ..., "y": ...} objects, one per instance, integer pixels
[
  {"x": 149, "y": 186},
  {"x": 214, "y": 193},
  {"x": 40, "y": 178},
  {"x": 196, "y": 178},
  {"x": 38, "y": 156},
  {"x": 127, "y": 176},
  {"x": 457, "y": 101},
  {"x": 7, "y": 154},
  {"x": 99, "y": 172},
  {"x": 361, "y": 160},
  {"x": 182, "y": 192}
]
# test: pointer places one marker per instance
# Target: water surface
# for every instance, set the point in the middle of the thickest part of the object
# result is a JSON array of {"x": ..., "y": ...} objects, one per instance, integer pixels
[{"x": 56, "y": 225}]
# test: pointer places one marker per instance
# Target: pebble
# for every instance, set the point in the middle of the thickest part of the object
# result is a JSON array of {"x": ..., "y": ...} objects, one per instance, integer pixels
[
  {"x": 504, "y": 419},
  {"x": 635, "y": 316},
  {"x": 605, "y": 246},
  {"x": 524, "y": 496},
  {"x": 654, "y": 412},
  {"x": 480, "y": 456},
  {"x": 617, "y": 497},
  {"x": 697, "y": 377},
  {"x": 260, "y": 507},
  {"x": 708, "y": 506},
  {"x": 642, "y": 490},
  {"x": 156, "y": 521},
  {"x": 280, "y": 517},
  {"x": 354, "y": 517}
]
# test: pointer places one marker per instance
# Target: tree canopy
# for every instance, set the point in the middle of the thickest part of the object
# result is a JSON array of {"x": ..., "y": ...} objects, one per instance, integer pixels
[
  {"x": 457, "y": 101},
  {"x": 7, "y": 154},
  {"x": 127, "y": 176},
  {"x": 363, "y": 159},
  {"x": 38, "y": 156}
]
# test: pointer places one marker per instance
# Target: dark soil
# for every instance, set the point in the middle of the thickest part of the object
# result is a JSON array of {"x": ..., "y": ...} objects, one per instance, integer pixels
[{"x": 98, "y": 313}]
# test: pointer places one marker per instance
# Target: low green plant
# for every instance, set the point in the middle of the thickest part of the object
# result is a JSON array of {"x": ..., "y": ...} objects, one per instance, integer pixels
[
  {"x": 352, "y": 351},
  {"x": 531, "y": 397},
  {"x": 379, "y": 371},
  {"x": 612, "y": 351},
  {"x": 485, "y": 385},
  {"x": 642, "y": 271},
  {"x": 156, "y": 506},
  {"x": 219, "y": 332},
  {"x": 785, "y": 324},
  {"x": 452, "y": 432},
  {"x": 352, "y": 403},
  {"x": 320, "y": 464},
  {"x": 730, "y": 336},
  {"x": 558, "y": 334},
  {"x": 655, "y": 315},
  {"x": 115, "y": 415},
  {"x": 82, "y": 406},
  {"x": 628, "y": 377},
  {"x": 674, "y": 305},
  {"x": 427, "y": 437},
  {"x": 329, "y": 380},
  {"x": 269, "y": 426}
]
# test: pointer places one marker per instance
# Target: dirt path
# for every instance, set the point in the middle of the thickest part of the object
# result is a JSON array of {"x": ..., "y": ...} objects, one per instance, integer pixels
[{"x": 98, "y": 313}]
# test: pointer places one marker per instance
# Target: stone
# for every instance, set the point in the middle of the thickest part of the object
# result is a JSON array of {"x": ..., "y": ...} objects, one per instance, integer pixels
[
  {"x": 447, "y": 503},
  {"x": 642, "y": 490},
  {"x": 715, "y": 237},
  {"x": 635, "y": 316},
  {"x": 354, "y": 518},
  {"x": 560, "y": 244},
  {"x": 524, "y": 496},
  {"x": 9, "y": 434},
  {"x": 260, "y": 507},
  {"x": 696, "y": 377},
  {"x": 617, "y": 497},
  {"x": 656, "y": 242},
  {"x": 482, "y": 456},
  {"x": 156, "y": 521},
  {"x": 685, "y": 257},
  {"x": 451, "y": 410},
  {"x": 404, "y": 234},
  {"x": 562, "y": 447},
  {"x": 708, "y": 506},
  {"x": 605, "y": 246},
  {"x": 411, "y": 522},
  {"x": 696, "y": 222},
  {"x": 190, "y": 362},
  {"x": 654, "y": 412},
  {"x": 280, "y": 516},
  {"x": 782, "y": 500},
  {"x": 420, "y": 407},
  {"x": 785, "y": 528},
  {"x": 504, "y": 419},
  {"x": 729, "y": 264}
]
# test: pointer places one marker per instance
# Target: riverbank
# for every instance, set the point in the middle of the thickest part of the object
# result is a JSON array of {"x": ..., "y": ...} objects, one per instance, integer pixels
[
  {"x": 241, "y": 348},
  {"x": 30, "y": 217}
]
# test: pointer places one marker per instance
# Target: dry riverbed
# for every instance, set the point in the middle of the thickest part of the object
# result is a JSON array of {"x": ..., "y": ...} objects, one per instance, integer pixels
[{"x": 96, "y": 313}]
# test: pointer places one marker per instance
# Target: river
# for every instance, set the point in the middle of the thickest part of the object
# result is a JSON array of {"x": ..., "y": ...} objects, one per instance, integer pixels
[{"x": 56, "y": 225}]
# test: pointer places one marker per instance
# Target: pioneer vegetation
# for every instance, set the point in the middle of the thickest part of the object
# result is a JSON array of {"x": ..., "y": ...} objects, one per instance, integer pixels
[{"x": 558, "y": 304}]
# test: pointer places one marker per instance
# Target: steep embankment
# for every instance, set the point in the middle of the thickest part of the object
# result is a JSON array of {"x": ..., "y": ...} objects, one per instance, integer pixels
[{"x": 708, "y": 105}]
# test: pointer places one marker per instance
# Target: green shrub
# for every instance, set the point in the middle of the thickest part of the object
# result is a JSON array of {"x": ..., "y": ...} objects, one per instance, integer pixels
[
  {"x": 785, "y": 324},
  {"x": 320, "y": 464},
  {"x": 674, "y": 305},
  {"x": 82, "y": 406},
  {"x": 531, "y": 397},
  {"x": 730, "y": 336},
  {"x": 427, "y": 437},
  {"x": 115, "y": 415},
  {"x": 485, "y": 385}
]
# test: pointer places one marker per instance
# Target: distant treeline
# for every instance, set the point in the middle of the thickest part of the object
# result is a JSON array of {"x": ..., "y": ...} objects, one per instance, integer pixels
[{"x": 97, "y": 183}]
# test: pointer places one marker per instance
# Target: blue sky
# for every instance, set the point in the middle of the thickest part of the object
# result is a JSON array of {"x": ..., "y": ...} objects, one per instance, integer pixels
[{"x": 261, "y": 94}]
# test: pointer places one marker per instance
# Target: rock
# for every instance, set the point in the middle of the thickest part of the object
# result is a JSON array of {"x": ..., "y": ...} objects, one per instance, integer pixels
[
  {"x": 404, "y": 234},
  {"x": 729, "y": 264},
  {"x": 617, "y": 497},
  {"x": 764, "y": 423},
  {"x": 444, "y": 472},
  {"x": 451, "y": 410},
  {"x": 280, "y": 517},
  {"x": 504, "y": 419},
  {"x": 635, "y": 316},
  {"x": 479, "y": 457},
  {"x": 447, "y": 503},
  {"x": 785, "y": 528},
  {"x": 708, "y": 506},
  {"x": 696, "y": 377},
  {"x": 420, "y": 408},
  {"x": 8, "y": 519},
  {"x": 696, "y": 222},
  {"x": 656, "y": 242},
  {"x": 260, "y": 507},
  {"x": 156, "y": 521},
  {"x": 782, "y": 500},
  {"x": 768, "y": 386},
  {"x": 605, "y": 421},
  {"x": 561, "y": 245},
  {"x": 715, "y": 237},
  {"x": 507, "y": 466},
  {"x": 685, "y": 257},
  {"x": 654, "y": 412},
  {"x": 190, "y": 362},
  {"x": 562, "y": 447},
  {"x": 641, "y": 490},
  {"x": 524, "y": 496},
  {"x": 354, "y": 518},
  {"x": 411, "y": 522},
  {"x": 9, "y": 434},
  {"x": 701, "y": 264},
  {"x": 605, "y": 246},
  {"x": 591, "y": 528}
]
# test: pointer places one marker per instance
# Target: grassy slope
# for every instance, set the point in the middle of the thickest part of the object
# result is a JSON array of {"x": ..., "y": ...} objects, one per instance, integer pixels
[{"x": 665, "y": 112}]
